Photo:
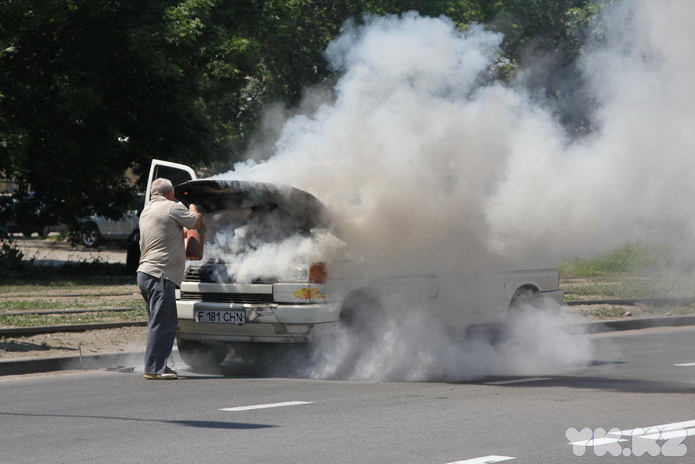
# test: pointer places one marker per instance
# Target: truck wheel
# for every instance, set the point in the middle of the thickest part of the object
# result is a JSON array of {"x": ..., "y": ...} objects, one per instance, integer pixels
[
  {"x": 526, "y": 302},
  {"x": 90, "y": 236},
  {"x": 200, "y": 355}
]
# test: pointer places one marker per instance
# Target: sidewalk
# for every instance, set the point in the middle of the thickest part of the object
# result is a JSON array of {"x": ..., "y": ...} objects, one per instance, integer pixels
[{"x": 56, "y": 253}]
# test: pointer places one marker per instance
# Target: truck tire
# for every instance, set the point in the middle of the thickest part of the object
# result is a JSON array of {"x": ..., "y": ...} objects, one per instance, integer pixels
[{"x": 526, "y": 299}]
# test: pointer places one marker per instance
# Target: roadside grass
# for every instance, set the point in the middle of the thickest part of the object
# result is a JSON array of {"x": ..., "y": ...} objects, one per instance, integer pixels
[
  {"x": 606, "y": 313},
  {"x": 33, "y": 304},
  {"x": 78, "y": 285},
  {"x": 94, "y": 272},
  {"x": 629, "y": 271},
  {"x": 65, "y": 295},
  {"x": 630, "y": 259},
  {"x": 36, "y": 320},
  {"x": 626, "y": 287},
  {"x": 36, "y": 285}
]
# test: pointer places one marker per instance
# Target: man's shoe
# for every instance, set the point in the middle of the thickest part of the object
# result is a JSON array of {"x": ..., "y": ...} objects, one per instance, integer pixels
[
  {"x": 165, "y": 376},
  {"x": 169, "y": 370}
]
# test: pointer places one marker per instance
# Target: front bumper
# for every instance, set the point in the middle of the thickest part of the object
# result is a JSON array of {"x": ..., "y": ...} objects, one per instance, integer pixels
[{"x": 266, "y": 323}]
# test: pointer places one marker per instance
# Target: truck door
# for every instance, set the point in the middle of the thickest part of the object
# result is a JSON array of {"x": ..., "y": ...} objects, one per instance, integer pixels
[{"x": 176, "y": 173}]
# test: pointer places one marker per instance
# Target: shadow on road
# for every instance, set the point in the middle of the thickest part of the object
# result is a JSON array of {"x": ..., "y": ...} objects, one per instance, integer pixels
[
  {"x": 186, "y": 423},
  {"x": 23, "y": 347}
]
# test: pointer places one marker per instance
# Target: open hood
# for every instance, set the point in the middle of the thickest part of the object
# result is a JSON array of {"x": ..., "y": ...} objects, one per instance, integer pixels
[{"x": 214, "y": 196}]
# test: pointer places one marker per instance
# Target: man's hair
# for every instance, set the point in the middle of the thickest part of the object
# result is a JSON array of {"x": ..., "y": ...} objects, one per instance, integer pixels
[{"x": 161, "y": 187}]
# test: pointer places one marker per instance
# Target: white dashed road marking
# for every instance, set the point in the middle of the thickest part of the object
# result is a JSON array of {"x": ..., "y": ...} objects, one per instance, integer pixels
[
  {"x": 685, "y": 365},
  {"x": 484, "y": 460},
  {"x": 509, "y": 382},
  {"x": 266, "y": 406},
  {"x": 664, "y": 431}
]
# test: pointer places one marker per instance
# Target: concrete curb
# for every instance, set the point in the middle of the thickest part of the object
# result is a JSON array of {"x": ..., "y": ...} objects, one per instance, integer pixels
[
  {"x": 114, "y": 360},
  {"x": 60, "y": 363},
  {"x": 678, "y": 301},
  {"x": 632, "y": 324},
  {"x": 30, "y": 331}
]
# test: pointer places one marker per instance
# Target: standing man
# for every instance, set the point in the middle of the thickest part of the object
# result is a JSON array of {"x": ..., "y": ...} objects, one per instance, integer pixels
[{"x": 162, "y": 264}]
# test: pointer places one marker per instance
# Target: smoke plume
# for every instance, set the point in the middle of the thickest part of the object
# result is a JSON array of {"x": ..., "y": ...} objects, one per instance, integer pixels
[
  {"x": 418, "y": 148},
  {"x": 419, "y": 144}
]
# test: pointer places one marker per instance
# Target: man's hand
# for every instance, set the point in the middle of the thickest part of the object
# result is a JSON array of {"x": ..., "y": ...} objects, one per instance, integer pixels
[{"x": 199, "y": 223}]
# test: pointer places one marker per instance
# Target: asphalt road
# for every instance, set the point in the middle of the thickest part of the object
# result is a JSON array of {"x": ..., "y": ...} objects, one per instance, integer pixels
[{"x": 636, "y": 380}]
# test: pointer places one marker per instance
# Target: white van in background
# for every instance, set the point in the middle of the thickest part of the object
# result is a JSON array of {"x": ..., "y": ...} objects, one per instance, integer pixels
[
  {"x": 217, "y": 312},
  {"x": 99, "y": 229}
]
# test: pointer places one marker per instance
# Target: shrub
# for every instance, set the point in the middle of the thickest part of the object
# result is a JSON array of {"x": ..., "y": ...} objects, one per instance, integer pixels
[{"x": 12, "y": 264}]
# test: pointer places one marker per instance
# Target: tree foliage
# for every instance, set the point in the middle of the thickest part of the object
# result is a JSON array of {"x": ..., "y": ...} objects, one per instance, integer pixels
[{"x": 91, "y": 90}]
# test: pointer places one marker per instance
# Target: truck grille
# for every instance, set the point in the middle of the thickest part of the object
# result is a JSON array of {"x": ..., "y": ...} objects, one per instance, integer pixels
[
  {"x": 249, "y": 298},
  {"x": 216, "y": 274},
  {"x": 213, "y": 273}
]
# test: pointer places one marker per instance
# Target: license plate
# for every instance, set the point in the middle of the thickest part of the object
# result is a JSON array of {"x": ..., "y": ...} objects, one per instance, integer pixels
[{"x": 224, "y": 317}]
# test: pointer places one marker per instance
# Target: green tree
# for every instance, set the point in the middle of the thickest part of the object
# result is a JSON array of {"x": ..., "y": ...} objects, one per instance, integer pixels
[
  {"x": 89, "y": 90},
  {"x": 544, "y": 39},
  {"x": 83, "y": 97}
]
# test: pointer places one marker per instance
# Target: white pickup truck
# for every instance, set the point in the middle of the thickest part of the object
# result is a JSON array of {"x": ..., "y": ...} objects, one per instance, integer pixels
[{"x": 218, "y": 311}]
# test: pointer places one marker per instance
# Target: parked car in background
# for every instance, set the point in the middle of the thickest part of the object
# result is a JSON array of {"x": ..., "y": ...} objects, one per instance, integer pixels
[
  {"x": 98, "y": 229},
  {"x": 27, "y": 220}
]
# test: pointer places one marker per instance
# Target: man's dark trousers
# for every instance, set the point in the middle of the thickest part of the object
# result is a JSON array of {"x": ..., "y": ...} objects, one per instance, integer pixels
[{"x": 160, "y": 298}]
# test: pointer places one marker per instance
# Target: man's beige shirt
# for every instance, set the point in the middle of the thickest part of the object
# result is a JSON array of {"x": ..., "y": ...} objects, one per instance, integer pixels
[{"x": 162, "y": 249}]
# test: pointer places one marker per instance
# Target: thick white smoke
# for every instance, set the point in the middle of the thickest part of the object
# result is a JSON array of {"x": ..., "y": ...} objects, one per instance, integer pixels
[
  {"x": 417, "y": 148},
  {"x": 395, "y": 156},
  {"x": 416, "y": 347},
  {"x": 631, "y": 180},
  {"x": 258, "y": 258}
]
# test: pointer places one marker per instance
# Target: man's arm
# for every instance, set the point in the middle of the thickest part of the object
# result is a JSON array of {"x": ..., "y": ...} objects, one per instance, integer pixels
[{"x": 199, "y": 217}]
